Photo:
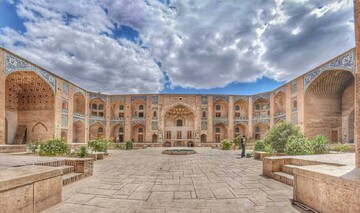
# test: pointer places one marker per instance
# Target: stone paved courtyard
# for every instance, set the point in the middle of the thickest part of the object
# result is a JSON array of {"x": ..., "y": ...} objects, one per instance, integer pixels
[{"x": 148, "y": 181}]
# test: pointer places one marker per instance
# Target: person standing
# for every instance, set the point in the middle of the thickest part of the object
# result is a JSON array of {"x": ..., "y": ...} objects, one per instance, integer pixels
[{"x": 242, "y": 143}]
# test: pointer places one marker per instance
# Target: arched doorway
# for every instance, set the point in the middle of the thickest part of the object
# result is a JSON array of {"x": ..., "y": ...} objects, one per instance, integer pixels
[
  {"x": 220, "y": 132},
  {"x": 167, "y": 144},
  {"x": 64, "y": 135},
  {"x": 139, "y": 133},
  {"x": 29, "y": 104},
  {"x": 280, "y": 103},
  {"x": 118, "y": 133},
  {"x": 154, "y": 138},
  {"x": 190, "y": 144},
  {"x": 329, "y": 104},
  {"x": 96, "y": 131},
  {"x": 260, "y": 130},
  {"x": 203, "y": 138},
  {"x": 78, "y": 132},
  {"x": 240, "y": 130}
]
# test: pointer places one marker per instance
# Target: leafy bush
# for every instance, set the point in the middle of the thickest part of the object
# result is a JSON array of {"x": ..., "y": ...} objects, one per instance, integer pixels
[
  {"x": 341, "y": 147},
  {"x": 54, "y": 147},
  {"x": 248, "y": 154},
  {"x": 298, "y": 145},
  {"x": 237, "y": 140},
  {"x": 99, "y": 145},
  {"x": 269, "y": 149},
  {"x": 119, "y": 146},
  {"x": 259, "y": 145},
  {"x": 82, "y": 152},
  {"x": 128, "y": 145},
  {"x": 320, "y": 145},
  {"x": 279, "y": 135},
  {"x": 226, "y": 144},
  {"x": 33, "y": 147}
]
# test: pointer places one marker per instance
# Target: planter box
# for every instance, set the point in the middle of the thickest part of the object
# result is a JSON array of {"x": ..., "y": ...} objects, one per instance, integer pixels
[{"x": 260, "y": 155}]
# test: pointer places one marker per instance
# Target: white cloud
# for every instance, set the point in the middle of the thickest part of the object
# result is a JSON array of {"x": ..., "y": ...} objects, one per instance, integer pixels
[{"x": 200, "y": 44}]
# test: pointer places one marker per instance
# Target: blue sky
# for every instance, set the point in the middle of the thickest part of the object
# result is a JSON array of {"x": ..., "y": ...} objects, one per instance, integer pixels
[{"x": 173, "y": 46}]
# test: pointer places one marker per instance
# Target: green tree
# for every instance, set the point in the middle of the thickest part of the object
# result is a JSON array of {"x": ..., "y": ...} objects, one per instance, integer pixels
[
  {"x": 279, "y": 135},
  {"x": 299, "y": 145}
]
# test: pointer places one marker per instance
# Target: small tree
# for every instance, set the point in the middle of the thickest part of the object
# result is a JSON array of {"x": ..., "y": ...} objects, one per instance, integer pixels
[
  {"x": 237, "y": 140},
  {"x": 259, "y": 145},
  {"x": 279, "y": 135},
  {"x": 129, "y": 145}
]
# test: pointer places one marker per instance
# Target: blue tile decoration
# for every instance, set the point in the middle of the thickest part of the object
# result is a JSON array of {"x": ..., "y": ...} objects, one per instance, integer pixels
[
  {"x": 77, "y": 89},
  {"x": 241, "y": 97},
  {"x": 13, "y": 64},
  {"x": 203, "y": 125},
  {"x": 221, "y": 97},
  {"x": 78, "y": 117},
  {"x": 134, "y": 97},
  {"x": 155, "y": 100},
  {"x": 281, "y": 89},
  {"x": 64, "y": 121},
  {"x": 345, "y": 62},
  {"x": 118, "y": 97},
  {"x": 263, "y": 95},
  {"x": 294, "y": 87},
  {"x": 97, "y": 95},
  {"x": 116, "y": 122},
  {"x": 204, "y": 100},
  {"x": 154, "y": 125},
  {"x": 65, "y": 87}
]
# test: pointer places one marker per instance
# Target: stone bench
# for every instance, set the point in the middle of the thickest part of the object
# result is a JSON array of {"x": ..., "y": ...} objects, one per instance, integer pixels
[
  {"x": 30, "y": 188},
  {"x": 260, "y": 155}
]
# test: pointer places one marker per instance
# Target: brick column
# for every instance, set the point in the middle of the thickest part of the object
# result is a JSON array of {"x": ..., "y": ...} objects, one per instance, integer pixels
[
  {"x": 210, "y": 127},
  {"x": 108, "y": 118},
  {"x": 272, "y": 108},
  {"x": 231, "y": 113},
  {"x": 128, "y": 116},
  {"x": 3, "y": 132},
  {"x": 250, "y": 118},
  {"x": 357, "y": 80}
]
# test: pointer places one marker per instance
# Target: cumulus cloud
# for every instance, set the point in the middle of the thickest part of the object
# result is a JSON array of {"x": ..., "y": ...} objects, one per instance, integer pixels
[{"x": 200, "y": 44}]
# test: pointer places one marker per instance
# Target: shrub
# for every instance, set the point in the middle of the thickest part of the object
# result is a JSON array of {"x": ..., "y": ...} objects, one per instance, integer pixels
[
  {"x": 99, "y": 145},
  {"x": 82, "y": 152},
  {"x": 320, "y": 145},
  {"x": 279, "y": 135},
  {"x": 269, "y": 149},
  {"x": 33, "y": 147},
  {"x": 259, "y": 145},
  {"x": 237, "y": 140},
  {"x": 226, "y": 144},
  {"x": 248, "y": 154},
  {"x": 341, "y": 147},
  {"x": 119, "y": 146},
  {"x": 54, "y": 147},
  {"x": 128, "y": 145},
  {"x": 299, "y": 145}
]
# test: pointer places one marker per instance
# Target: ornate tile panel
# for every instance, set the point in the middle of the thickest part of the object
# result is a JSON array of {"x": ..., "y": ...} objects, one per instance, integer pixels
[
  {"x": 281, "y": 89},
  {"x": 294, "y": 87},
  {"x": 203, "y": 125},
  {"x": 115, "y": 122},
  {"x": 154, "y": 125},
  {"x": 118, "y": 97},
  {"x": 204, "y": 100},
  {"x": 155, "y": 100},
  {"x": 97, "y": 95},
  {"x": 13, "y": 63},
  {"x": 77, "y": 89},
  {"x": 134, "y": 97},
  {"x": 345, "y": 62},
  {"x": 244, "y": 98},
  {"x": 223, "y": 97},
  {"x": 264, "y": 95},
  {"x": 65, "y": 87},
  {"x": 64, "y": 121}
]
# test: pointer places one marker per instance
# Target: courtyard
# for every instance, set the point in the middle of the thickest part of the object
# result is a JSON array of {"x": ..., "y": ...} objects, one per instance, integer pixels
[{"x": 147, "y": 181}]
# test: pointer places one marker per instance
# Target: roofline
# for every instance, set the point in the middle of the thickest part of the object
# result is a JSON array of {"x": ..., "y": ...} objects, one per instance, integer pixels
[{"x": 179, "y": 94}]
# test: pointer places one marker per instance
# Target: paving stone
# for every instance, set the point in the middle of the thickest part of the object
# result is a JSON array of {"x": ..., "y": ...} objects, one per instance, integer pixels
[{"x": 211, "y": 181}]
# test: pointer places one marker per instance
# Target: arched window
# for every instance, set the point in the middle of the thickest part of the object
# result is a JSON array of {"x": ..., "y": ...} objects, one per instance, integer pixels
[
  {"x": 237, "y": 130},
  {"x": 179, "y": 122},
  {"x": 257, "y": 129},
  {"x": 141, "y": 107},
  {"x": 295, "y": 104},
  {"x": 257, "y": 107},
  {"x": 121, "y": 130},
  {"x": 203, "y": 138},
  {"x": 154, "y": 114},
  {"x": 217, "y": 130},
  {"x": 237, "y": 107},
  {"x": 140, "y": 130},
  {"x": 93, "y": 106},
  {"x": 218, "y": 107},
  {"x": 204, "y": 114},
  {"x": 100, "y": 130},
  {"x": 101, "y": 107},
  {"x": 121, "y": 107}
]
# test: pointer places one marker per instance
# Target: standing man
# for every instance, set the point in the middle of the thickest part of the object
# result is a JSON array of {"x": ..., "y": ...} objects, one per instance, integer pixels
[{"x": 242, "y": 143}]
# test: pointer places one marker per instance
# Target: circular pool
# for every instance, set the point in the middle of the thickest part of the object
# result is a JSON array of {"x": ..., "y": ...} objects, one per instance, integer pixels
[{"x": 179, "y": 152}]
